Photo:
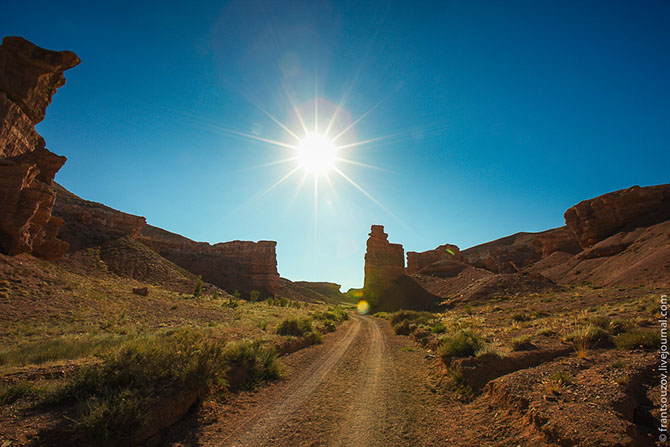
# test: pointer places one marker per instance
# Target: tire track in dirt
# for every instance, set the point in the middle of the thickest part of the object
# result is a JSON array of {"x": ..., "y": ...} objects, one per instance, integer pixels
[
  {"x": 262, "y": 426},
  {"x": 363, "y": 417}
]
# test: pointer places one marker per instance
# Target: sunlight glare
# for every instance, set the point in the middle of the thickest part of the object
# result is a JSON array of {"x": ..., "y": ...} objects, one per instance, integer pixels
[{"x": 316, "y": 154}]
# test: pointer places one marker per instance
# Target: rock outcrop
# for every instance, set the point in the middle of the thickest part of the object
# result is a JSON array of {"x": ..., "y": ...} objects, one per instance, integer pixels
[
  {"x": 236, "y": 265},
  {"x": 557, "y": 239},
  {"x": 506, "y": 255},
  {"x": 384, "y": 262},
  {"x": 89, "y": 224},
  {"x": 418, "y": 260},
  {"x": 594, "y": 220},
  {"x": 29, "y": 76}
]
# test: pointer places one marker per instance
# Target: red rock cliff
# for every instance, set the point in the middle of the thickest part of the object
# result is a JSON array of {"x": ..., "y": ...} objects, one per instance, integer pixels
[
  {"x": 594, "y": 220},
  {"x": 384, "y": 262},
  {"x": 236, "y": 265},
  {"x": 29, "y": 76}
]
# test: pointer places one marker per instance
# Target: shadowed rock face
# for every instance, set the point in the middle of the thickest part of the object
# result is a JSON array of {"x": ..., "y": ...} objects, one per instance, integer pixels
[
  {"x": 236, "y": 265},
  {"x": 384, "y": 262},
  {"x": 29, "y": 76},
  {"x": 90, "y": 224},
  {"x": 418, "y": 260},
  {"x": 594, "y": 220}
]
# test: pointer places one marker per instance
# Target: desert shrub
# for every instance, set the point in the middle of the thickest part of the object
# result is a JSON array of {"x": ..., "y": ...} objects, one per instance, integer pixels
[
  {"x": 197, "y": 293},
  {"x": 648, "y": 339},
  {"x": 315, "y": 337},
  {"x": 334, "y": 313},
  {"x": 464, "y": 343},
  {"x": 237, "y": 294},
  {"x": 561, "y": 379},
  {"x": 588, "y": 335},
  {"x": 438, "y": 328},
  {"x": 411, "y": 316},
  {"x": 231, "y": 303},
  {"x": 117, "y": 394},
  {"x": 458, "y": 385},
  {"x": 254, "y": 296},
  {"x": 296, "y": 327},
  {"x": 329, "y": 326},
  {"x": 260, "y": 361},
  {"x": 11, "y": 393},
  {"x": 402, "y": 328}
]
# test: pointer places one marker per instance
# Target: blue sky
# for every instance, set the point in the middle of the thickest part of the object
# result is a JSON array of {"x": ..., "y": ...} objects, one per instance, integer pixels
[{"x": 498, "y": 115}]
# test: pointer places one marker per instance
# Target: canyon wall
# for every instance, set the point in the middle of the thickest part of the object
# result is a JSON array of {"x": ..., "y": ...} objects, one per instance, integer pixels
[
  {"x": 29, "y": 77},
  {"x": 236, "y": 265}
]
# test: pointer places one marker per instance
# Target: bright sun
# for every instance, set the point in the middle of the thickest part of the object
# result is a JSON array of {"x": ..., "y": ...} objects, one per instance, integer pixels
[{"x": 316, "y": 154}]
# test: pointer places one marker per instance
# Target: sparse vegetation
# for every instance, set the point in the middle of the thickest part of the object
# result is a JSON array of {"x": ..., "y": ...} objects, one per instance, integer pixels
[
  {"x": 296, "y": 327},
  {"x": 197, "y": 293},
  {"x": 118, "y": 394},
  {"x": 11, "y": 393},
  {"x": 648, "y": 339},
  {"x": 464, "y": 343},
  {"x": 254, "y": 296},
  {"x": 66, "y": 347}
]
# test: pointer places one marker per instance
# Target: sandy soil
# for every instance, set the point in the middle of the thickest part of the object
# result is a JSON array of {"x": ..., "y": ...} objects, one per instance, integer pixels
[{"x": 360, "y": 388}]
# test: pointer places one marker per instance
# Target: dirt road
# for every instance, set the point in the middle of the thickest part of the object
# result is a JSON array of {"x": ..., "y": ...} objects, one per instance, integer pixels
[{"x": 363, "y": 387}]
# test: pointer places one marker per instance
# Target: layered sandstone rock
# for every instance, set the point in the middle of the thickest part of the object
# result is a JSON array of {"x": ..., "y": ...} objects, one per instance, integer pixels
[
  {"x": 384, "y": 262},
  {"x": 557, "y": 239},
  {"x": 29, "y": 76},
  {"x": 236, "y": 265},
  {"x": 89, "y": 224},
  {"x": 594, "y": 220},
  {"x": 419, "y": 260}
]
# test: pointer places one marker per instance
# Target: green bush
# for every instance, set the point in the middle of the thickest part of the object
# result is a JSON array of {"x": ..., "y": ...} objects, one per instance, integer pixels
[
  {"x": 588, "y": 336},
  {"x": 648, "y": 339},
  {"x": 438, "y": 328},
  {"x": 411, "y": 316},
  {"x": 561, "y": 379},
  {"x": 254, "y": 296},
  {"x": 296, "y": 327},
  {"x": 464, "y": 343},
  {"x": 197, "y": 293},
  {"x": 118, "y": 393},
  {"x": 260, "y": 361}
]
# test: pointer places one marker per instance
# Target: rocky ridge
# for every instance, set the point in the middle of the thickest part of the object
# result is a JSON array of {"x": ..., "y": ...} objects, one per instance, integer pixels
[{"x": 29, "y": 77}]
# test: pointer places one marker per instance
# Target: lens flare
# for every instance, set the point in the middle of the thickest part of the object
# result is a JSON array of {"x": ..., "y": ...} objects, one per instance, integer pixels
[{"x": 363, "y": 307}]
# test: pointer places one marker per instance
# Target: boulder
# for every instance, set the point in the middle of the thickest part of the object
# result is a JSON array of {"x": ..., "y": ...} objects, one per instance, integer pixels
[{"x": 29, "y": 77}]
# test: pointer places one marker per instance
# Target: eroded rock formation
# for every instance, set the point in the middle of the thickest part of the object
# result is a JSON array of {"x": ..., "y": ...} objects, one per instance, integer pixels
[
  {"x": 557, "y": 239},
  {"x": 29, "y": 76},
  {"x": 594, "y": 220},
  {"x": 418, "y": 260},
  {"x": 236, "y": 265},
  {"x": 90, "y": 224},
  {"x": 384, "y": 262}
]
